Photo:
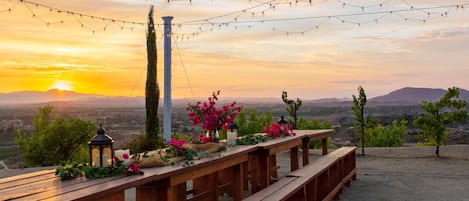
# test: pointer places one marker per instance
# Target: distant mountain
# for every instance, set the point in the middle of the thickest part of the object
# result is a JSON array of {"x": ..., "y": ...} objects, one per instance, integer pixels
[
  {"x": 414, "y": 96},
  {"x": 55, "y": 96},
  {"x": 404, "y": 96}
]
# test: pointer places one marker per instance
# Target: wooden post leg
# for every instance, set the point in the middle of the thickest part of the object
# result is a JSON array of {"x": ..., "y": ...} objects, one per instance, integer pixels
[
  {"x": 264, "y": 166},
  {"x": 273, "y": 168},
  {"x": 177, "y": 193},
  {"x": 294, "y": 163},
  {"x": 238, "y": 177},
  {"x": 324, "y": 146},
  {"x": 152, "y": 191},
  {"x": 120, "y": 196},
  {"x": 305, "y": 148},
  {"x": 246, "y": 175},
  {"x": 206, "y": 186},
  {"x": 212, "y": 186},
  {"x": 254, "y": 169}
]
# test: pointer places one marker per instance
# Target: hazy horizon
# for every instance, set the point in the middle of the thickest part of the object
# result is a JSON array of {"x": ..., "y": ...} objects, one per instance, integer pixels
[{"x": 244, "y": 54}]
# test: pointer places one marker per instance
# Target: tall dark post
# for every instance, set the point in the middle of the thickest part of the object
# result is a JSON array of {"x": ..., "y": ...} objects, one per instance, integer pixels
[{"x": 152, "y": 91}]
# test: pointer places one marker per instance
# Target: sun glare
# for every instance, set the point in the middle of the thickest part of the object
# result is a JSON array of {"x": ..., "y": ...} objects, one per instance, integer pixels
[{"x": 62, "y": 85}]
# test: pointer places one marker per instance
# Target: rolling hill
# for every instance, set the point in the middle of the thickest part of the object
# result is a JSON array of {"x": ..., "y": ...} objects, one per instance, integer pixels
[
  {"x": 404, "y": 96},
  {"x": 414, "y": 96}
]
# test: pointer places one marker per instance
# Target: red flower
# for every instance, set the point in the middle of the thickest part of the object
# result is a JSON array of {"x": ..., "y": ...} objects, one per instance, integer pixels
[
  {"x": 133, "y": 167},
  {"x": 275, "y": 130},
  {"x": 178, "y": 143},
  {"x": 116, "y": 160},
  {"x": 125, "y": 156}
]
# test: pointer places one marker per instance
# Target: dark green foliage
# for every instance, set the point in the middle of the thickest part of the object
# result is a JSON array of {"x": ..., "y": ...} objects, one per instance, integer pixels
[
  {"x": 75, "y": 170},
  {"x": 56, "y": 141},
  {"x": 142, "y": 143},
  {"x": 444, "y": 111},
  {"x": 152, "y": 91},
  {"x": 358, "y": 108},
  {"x": 293, "y": 107},
  {"x": 251, "y": 122},
  {"x": 380, "y": 136},
  {"x": 179, "y": 136},
  {"x": 69, "y": 171},
  {"x": 313, "y": 124}
]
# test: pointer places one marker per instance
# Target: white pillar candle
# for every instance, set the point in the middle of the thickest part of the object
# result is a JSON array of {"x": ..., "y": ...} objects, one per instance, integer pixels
[
  {"x": 231, "y": 138},
  {"x": 120, "y": 153}
]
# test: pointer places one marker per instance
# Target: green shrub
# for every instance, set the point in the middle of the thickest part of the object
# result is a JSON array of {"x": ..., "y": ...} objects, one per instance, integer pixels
[
  {"x": 56, "y": 141},
  {"x": 380, "y": 136},
  {"x": 251, "y": 122},
  {"x": 313, "y": 124}
]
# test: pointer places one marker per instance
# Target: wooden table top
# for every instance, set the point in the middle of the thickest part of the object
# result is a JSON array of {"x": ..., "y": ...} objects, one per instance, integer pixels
[{"x": 45, "y": 185}]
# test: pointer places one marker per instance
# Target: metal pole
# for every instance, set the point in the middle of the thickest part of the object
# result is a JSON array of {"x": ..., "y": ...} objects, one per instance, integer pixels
[{"x": 167, "y": 78}]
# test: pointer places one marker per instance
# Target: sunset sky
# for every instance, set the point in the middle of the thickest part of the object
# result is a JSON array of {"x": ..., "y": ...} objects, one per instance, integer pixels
[{"x": 314, "y": 57}]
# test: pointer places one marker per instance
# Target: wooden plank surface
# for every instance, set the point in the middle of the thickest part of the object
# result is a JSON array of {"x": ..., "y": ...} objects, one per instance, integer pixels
[
  {"x": 119, "y": 184},
  {"x": 343, "y": 151},
  {"x": 44, "y": 184},
  {"x": 262, "y": 194},
  {"x": 26, "y": 176},
  {"x": 288, "y": 190},
  {"x": 315, "y": 168}
]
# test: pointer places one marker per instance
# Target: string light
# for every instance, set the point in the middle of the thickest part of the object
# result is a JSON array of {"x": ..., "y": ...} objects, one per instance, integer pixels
[
  {"x": 238, "y": 22},
  {"x": 33, "y": 7},
  {"x": 430, "y": 14}
]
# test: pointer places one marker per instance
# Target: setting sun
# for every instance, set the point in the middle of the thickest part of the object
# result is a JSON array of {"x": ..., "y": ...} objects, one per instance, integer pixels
[{"x": 62, "y": 85}]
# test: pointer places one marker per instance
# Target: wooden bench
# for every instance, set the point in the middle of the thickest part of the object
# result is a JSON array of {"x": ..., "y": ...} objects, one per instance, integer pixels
[
  {"x": 321, "y": 180},
  {"x": 347, "y": 164}
]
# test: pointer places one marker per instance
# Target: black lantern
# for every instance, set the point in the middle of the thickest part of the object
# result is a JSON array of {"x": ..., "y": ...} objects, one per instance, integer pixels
[
  {"x": 283, "y": 124},
  {"x": 101, "y": 152}
]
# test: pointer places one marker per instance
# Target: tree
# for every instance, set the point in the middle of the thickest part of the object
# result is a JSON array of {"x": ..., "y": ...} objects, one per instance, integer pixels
[
  {"x": 358, "y": 108},
  {"x": 152, "y": 91},
  {"x": 446, "y": 110},
  {"x": 55, "y": 141},
  {"x": 293, "y": 107}
]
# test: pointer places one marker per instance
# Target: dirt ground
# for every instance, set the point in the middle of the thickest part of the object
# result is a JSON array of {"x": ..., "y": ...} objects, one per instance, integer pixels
[
  {"x": 389, "y": 174},
  {"x": 411, "y": 173}
]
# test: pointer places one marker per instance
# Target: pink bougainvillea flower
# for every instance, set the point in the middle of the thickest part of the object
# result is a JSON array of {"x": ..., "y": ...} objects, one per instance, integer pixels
[
  {"x": 209, "y": 117},
  {"x": 176, "y": 143},
  {"x": 116, "y": 160},
  {"x": 133, "y": 167},
  {"x": 275, "y": 130}
]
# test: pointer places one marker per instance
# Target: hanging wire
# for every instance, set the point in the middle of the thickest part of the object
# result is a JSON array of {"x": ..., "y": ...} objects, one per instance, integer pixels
[
  {"x": 227, "y": 14},
  {"x": 10, "y": 9},
  {"x": 340, "y": 17},
  {"x": 236, "y": 23},
  {"x": 185, "y": 71}
]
